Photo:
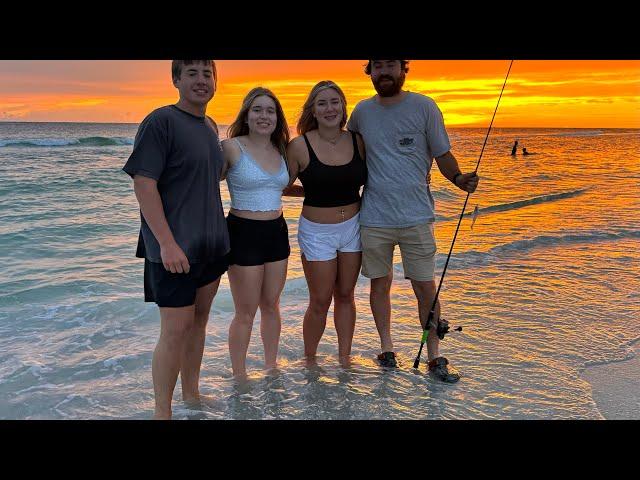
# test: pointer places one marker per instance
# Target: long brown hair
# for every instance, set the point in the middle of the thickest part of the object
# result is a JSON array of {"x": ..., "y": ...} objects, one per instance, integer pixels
[
  {"x": 279, "y": 137},
  {"x": 307, "y": 121}
]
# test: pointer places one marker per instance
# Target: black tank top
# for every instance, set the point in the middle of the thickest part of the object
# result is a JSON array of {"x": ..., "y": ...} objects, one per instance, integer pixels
[{"x": 333, "y": 185}]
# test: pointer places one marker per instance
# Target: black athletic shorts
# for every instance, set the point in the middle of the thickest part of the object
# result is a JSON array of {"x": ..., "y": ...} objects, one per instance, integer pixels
[
  {"x": 256, "y": 242},
  {"x": 179, "y": 289}
]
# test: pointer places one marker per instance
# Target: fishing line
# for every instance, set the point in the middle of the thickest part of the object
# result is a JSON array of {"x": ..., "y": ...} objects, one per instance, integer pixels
[{"x": 441, "y": 331}]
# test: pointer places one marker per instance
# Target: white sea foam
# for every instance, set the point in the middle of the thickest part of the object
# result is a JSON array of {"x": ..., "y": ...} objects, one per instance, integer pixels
[{"x": 544, "y": 284}]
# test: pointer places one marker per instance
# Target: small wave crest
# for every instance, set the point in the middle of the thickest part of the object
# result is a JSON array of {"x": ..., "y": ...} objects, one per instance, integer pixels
[
  {"x": 543, "y": 240},
  {"x": 530, "y": 201},
  {"x": 581, "y": 133},
  {"x": 477, "y": 258},
  {"x": 65, "y": 142},
  {"x": 502, "y": 207}
]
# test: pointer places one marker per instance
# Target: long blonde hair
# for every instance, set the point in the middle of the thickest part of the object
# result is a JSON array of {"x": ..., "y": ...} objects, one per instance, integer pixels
[
  {"x": 307, "y": 121},
  {"x": 279, "y": 137}
]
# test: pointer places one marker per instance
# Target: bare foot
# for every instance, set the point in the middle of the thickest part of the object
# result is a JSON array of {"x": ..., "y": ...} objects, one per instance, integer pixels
[
  {"x": 345, "y": 361},
  {"x": 273, "y": 371},
  {"x": 241, "y": 377},
  {"x": 311, "y": 361},
  {"x": 190, "y": 398},
  {"x": 203, "y": 401},
  {"x": 242, "y": 384},
  {"x": 193, "y": 402}
]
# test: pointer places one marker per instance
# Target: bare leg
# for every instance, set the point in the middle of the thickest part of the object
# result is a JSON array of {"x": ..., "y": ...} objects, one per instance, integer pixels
[
  {"x": 380, "y": 299},
  {"x": 425, "y": 293},
  {"x": 321, "y": 277},
  {"x": 344, "y": 305},
  {"x": 194, "y": 343},
  {"x": 246, "y": 285},
  {"x": 174, "y": 325},
  {"x": 275, "y": 275}
]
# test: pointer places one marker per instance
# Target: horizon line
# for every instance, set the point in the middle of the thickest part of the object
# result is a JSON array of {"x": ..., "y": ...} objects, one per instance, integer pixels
[{"x": 224, "y": 124}]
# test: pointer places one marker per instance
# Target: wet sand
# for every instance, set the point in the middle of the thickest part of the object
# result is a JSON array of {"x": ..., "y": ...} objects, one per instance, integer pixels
[{"x": 616, "y": 387}]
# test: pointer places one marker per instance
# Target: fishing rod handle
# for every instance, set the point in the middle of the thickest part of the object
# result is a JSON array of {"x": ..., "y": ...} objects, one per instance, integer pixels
[{"x": 416, "y": 362}]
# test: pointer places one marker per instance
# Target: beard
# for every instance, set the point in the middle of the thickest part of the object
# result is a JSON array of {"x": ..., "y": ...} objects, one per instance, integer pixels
[{"x": 390, "y": 89}]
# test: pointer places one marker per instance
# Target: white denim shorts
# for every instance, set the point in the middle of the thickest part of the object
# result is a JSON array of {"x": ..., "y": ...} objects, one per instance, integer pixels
[{"x": 322, "y": 241}]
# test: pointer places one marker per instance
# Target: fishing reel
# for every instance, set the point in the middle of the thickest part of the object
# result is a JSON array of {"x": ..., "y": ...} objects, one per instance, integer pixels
[{"x": 443, "y": 328}]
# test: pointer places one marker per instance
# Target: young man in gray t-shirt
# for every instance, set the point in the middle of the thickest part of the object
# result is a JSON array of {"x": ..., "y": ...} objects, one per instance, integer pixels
[
  {"x": 176, "y": 165},
  {"x": 403, "y": 132}
]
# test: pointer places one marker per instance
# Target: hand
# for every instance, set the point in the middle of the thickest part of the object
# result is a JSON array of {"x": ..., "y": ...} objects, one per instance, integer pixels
[
  {"x": 429, "y": 177},
  {"x": 174, "y": 259},
  {"x": 293, "y": 191},
  {"x": 468, "y": 182}
]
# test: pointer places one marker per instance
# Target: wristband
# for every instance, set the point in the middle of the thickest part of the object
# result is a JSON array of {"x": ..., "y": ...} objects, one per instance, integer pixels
[{"x": 455, "y": 177}]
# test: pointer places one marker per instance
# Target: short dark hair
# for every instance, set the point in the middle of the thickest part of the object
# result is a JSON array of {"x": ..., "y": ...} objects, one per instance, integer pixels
[
  {"x": 404, "y": 65},
  {"x": 177, "y": 65}
]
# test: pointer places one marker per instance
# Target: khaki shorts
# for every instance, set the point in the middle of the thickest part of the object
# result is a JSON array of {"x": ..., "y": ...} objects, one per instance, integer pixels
[{"x": 417, "y": 247}]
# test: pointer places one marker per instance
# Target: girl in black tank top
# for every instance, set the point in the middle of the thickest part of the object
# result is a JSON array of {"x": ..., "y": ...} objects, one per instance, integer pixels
[
  {"x": 333, "y": 185},
  {"x": 329, "y": 226}
]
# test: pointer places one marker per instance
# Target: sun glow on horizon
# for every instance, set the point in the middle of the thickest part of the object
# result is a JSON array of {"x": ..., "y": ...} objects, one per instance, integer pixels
[{"x": 562, "y": 94}]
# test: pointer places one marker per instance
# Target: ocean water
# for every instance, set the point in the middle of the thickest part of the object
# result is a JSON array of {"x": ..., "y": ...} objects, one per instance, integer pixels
[{"x": 545, "y": 284}]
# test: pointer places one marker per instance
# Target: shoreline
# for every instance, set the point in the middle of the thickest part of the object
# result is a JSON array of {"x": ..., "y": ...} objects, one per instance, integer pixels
[{"x": 616, "y": 387}]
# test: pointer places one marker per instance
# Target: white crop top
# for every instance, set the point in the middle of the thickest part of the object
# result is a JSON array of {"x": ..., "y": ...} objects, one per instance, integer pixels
[{"x": 252, "y": 188}]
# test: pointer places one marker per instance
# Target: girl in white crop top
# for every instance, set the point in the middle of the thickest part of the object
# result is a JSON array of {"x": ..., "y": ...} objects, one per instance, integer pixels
[
  {"x": 254, "y": 188},
  {"x": 256, "y": 173}
]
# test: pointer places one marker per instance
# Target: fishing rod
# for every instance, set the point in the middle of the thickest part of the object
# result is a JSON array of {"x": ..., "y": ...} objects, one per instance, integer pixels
[{"x": 442, "y": 327}]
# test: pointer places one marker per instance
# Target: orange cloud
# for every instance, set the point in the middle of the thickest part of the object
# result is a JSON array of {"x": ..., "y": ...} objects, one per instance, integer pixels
[{"x": 539, "y": 93}]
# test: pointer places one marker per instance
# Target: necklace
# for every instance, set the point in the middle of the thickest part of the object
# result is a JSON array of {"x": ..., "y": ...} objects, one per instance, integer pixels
[{"x": 332, "y": 141}]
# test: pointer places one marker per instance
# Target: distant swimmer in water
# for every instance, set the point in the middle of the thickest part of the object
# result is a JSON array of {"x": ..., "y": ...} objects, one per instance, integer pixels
[
  {"x": 513, "y": 150},
  {"x": 524, "y": 152}
]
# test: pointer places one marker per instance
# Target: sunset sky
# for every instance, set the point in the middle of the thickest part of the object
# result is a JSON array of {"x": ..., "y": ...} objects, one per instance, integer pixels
[{"x": 554, "y": 93}]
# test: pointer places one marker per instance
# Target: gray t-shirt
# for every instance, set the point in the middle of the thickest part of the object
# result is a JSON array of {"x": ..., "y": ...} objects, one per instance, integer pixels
[
  {"x": 183, "y": 153},
  {"x": 401, "y": 142}
]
